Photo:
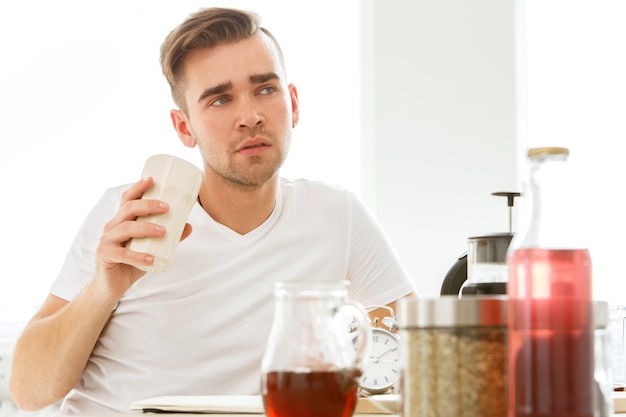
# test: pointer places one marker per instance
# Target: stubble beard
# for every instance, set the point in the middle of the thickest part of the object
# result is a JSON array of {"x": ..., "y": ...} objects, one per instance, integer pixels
[{"x": 255, "y": 172}]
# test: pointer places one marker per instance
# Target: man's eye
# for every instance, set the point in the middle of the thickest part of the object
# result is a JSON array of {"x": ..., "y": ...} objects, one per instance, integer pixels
[
  {"x": 267, "y": 90},
  {"x": 219, "y": 101}
]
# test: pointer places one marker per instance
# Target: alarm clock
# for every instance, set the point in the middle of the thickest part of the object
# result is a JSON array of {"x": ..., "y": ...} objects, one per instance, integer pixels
[{"x": 381, "y": 369}]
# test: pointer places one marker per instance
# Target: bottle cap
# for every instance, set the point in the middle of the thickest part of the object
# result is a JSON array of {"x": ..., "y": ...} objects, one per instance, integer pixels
[{"x": 548, "y": 150}]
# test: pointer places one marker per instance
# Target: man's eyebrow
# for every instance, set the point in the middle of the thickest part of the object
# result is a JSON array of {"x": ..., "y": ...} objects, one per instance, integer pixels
[
  {"x": 261, "y": 78},
  {"x": 228, "y": 85},
  {"x": 218, "y": 89}
]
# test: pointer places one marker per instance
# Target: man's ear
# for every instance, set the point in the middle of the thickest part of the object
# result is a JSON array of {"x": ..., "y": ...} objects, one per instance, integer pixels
[
  {"x": 181, "y": 125},
  {"x": 295, "y": 105}
]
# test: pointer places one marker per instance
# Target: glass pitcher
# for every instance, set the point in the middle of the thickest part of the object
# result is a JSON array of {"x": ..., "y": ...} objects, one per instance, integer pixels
[{"x": 314, "y": 355}]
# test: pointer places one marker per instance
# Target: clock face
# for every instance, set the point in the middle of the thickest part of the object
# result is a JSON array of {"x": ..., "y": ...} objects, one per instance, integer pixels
[{"x": 382, "y": 368}]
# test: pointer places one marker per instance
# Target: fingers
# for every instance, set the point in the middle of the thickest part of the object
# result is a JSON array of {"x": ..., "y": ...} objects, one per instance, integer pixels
[
  {"x": 130, "y": 199},
  {"x": 112, "y": 250},
  {"x": 116, "y": 265},
  {"x": 111, "y": 256},
  {"x": 137, "y": 189},
  {"x": 125, "y": 226},
  {"x": 131, "y": 205},
  {"x": 114, "y": 254}
]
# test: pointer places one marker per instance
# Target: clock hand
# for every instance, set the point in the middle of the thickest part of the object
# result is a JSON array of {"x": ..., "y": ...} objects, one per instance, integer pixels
[{"x": 384, "y": 353}]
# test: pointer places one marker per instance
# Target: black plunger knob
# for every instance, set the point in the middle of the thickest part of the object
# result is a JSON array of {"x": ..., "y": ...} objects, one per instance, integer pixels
[{"x": 510, "y": 200}]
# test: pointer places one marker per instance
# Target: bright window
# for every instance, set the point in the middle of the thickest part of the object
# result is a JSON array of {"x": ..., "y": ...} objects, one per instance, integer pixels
[
  {"x": 84, "y": 104},
  {"x": 576, "y": 75}
]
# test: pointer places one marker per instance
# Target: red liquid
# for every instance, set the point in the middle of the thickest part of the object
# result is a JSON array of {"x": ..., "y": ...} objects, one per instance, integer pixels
[
  {"x": 310, "y": 394},
  {"x": 550, "y": 334}
]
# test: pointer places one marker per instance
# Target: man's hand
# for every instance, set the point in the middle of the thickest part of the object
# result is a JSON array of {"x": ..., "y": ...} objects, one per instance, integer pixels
[{"x": 115, "y": 264}]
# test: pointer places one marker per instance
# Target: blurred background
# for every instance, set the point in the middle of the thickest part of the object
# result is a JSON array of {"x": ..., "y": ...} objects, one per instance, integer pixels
[{"x": 423, "y": 108}]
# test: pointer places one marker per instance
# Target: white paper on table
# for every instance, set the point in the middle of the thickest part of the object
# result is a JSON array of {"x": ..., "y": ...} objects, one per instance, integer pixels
[{"x": 246, "y": 404}]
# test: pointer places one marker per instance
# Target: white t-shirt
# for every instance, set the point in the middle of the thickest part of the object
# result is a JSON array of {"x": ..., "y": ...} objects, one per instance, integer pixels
[{"x": 201, "y": 327}]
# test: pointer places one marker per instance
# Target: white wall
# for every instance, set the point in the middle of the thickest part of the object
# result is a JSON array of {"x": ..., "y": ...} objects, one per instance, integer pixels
[
  {"x": 445, "y": 108},
  {"x": 83, "y": 103},
  {"x": 440, "y": 118}
]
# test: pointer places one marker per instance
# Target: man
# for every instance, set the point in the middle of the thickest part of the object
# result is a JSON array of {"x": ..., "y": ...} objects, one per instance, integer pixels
[{"x": 109, "y": 333}]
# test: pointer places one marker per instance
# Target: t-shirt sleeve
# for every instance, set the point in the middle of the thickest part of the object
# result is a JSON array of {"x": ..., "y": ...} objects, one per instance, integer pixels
[
  {"x": 375, "y": 270},
  {"x": 79, "y": 265}
]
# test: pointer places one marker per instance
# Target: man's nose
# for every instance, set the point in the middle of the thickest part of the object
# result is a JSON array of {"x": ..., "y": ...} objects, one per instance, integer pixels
[{"x": 250, "y": 115}]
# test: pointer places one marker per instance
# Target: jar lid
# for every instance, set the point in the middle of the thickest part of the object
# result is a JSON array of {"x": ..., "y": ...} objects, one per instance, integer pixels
[{"x": 451, "y": 311}]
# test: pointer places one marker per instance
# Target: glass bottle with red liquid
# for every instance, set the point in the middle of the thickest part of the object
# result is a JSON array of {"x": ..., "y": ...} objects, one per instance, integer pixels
[{"x": 551, "y": 361}]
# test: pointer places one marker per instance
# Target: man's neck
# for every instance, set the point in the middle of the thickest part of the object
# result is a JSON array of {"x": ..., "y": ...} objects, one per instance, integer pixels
[{"x": 238, "y": 208}]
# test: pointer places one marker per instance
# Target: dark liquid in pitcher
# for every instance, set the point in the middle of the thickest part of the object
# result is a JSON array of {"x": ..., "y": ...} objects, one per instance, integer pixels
[{"x": 310, "y": 394}]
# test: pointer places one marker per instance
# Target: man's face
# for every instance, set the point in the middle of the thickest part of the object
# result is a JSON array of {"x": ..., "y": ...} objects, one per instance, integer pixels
[{"x": 240, "y": 110}]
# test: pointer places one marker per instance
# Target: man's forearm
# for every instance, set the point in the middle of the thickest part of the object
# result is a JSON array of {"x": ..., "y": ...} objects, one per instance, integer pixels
[{"x": 53, "y": 349}]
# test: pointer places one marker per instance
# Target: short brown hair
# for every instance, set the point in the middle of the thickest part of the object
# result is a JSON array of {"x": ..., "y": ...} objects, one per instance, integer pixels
[{"x": 204, "y": 29}]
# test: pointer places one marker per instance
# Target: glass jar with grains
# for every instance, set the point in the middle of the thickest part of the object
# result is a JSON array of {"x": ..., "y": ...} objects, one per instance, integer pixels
[{"x": 453, "y": 356}]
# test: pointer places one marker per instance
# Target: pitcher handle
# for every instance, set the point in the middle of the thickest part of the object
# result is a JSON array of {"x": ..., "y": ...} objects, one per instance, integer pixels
[{"x": 363, "y": 330}]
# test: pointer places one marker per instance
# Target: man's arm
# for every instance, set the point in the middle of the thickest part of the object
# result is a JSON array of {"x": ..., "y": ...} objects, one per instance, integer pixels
[{"x": 54, "y": 348}]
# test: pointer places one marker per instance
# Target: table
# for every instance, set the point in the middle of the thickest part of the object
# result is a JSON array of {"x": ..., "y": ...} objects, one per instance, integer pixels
[
  {"x": 242, "y": 404},
  {"x": 140, "y": 414},
  {"x": 620, "y": 406}
]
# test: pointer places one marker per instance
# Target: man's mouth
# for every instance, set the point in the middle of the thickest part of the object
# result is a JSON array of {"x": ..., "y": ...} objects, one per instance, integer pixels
[{"x": 253, "y": 147}]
